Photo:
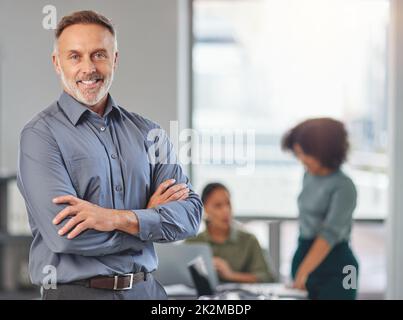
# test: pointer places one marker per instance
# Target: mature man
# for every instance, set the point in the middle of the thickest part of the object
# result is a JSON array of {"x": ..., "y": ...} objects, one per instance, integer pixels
[{"x": 100, "y": 184}]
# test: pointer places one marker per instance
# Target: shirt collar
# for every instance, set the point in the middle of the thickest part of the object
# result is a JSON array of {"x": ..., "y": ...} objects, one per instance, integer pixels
[{"x": 74, "y": 109}]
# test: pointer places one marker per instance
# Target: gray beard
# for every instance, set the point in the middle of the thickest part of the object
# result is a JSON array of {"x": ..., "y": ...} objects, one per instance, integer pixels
[{"x": 73, "y": 88}]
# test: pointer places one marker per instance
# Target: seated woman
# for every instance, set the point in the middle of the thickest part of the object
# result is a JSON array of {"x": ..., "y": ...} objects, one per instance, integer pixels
[
  {"x": 326, "y": 204},
  {"x": 237, "y": 254}
]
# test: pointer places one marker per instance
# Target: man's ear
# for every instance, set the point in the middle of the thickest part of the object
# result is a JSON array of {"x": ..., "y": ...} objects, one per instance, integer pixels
[
  {"x": 115, "y": 60},
  {"x": 56, "y": 62}
]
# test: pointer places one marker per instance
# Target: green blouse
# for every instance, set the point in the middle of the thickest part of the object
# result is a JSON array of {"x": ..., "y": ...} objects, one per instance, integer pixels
[
  {"x": 241, "y": 251},
  {"x": 326, "y": 205}
]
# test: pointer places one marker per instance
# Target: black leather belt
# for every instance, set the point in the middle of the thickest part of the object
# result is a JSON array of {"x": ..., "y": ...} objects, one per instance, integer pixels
[{"x": 116, "y": 282}]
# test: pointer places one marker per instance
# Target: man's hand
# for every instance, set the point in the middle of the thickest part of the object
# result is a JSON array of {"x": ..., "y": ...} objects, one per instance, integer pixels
[
  {"x": 223, "y": 268},
  {"x": 86, "y": 215},
  {"x": 167, "y": 192}
]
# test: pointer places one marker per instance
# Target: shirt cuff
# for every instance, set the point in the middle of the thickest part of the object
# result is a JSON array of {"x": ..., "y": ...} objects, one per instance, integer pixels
[
  {"x": 131, "y": 243},
  {"x": 149, "y": 224}
]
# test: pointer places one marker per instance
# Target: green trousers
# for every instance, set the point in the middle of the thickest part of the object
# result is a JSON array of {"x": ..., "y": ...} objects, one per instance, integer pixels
[{"x": 327, "y": 281}]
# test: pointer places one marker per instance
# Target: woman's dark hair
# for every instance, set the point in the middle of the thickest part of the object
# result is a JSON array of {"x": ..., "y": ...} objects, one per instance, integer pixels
[
  {"x": 210, "y": 188},
  {"x": 325, "y": 139}
]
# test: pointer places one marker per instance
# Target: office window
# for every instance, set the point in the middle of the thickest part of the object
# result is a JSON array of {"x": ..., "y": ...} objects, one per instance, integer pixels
[{"x": 268, "y": 64}]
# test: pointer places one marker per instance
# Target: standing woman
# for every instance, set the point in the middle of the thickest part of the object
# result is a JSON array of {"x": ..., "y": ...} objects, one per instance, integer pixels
[{"x": 326, "y": 204}]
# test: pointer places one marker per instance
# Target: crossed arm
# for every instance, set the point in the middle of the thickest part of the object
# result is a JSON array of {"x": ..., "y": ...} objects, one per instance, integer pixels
[
  {"x": 86, "y": 215},
  {"x": 56, "y": 210}
]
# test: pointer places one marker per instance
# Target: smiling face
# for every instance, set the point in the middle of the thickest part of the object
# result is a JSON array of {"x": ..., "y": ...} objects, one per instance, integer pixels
[{"x": 85, "y": 57}]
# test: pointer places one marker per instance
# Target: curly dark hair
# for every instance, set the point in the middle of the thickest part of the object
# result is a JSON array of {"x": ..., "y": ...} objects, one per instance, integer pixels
[{"x": 325, "y": 139}]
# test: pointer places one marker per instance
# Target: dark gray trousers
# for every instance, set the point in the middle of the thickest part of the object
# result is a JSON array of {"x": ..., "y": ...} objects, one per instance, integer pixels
[{"x": 150, "y": 289}]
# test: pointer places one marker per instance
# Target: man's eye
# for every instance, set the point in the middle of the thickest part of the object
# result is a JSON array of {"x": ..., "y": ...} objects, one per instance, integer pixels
[
  {"x": 100, "y": 55},
  {"x": 74, "y": 57}
]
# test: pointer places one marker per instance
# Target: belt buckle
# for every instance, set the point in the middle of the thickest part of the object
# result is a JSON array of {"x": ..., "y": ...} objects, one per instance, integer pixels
[{"x": 115, "y": 285}]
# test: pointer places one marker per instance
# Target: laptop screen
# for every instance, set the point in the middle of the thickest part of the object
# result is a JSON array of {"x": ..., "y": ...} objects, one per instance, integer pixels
[{"x": 198, "y": 271}]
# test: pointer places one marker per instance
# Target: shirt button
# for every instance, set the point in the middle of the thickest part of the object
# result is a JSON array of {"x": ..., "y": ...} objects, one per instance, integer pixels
[
  {"x": 118, "y": 188},
  {"x": 103, "y": 128},
  {"x": 114, "y": 156}
]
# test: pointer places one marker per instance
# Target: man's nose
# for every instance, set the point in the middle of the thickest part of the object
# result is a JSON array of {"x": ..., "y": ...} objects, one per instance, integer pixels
[{"x": 88, "y": 65}]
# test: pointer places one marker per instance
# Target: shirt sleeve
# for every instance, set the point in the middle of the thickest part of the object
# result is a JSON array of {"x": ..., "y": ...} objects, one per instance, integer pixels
[
  {"x": 175, "y": 220},
  {"x": 257, "y": 264},
  {"x": 42, "y": 176},
  {"x": 337, "y": 223}
]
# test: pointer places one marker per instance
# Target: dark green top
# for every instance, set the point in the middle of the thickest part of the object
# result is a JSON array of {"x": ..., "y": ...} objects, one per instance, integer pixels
[
  {"x": 326, "y": 205},
  {"x": 241, "y": 251}
]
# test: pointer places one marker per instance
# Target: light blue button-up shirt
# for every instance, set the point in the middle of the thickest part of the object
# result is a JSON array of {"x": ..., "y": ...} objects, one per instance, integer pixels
[{"x": 115, "y": 161}]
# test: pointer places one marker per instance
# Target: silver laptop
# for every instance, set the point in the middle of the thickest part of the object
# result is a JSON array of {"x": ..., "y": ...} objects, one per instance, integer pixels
[{"x": 174, "y": 259}]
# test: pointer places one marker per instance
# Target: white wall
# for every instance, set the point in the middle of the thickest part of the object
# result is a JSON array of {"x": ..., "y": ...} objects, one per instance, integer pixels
[{"x": 151, "y": 78}]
